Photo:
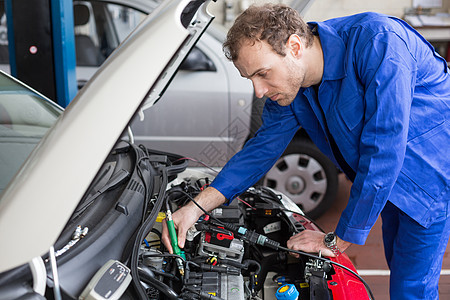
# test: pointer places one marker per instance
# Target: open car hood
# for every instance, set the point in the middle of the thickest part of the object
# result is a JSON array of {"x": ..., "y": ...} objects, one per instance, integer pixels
[{"x": 40, "y": 199}]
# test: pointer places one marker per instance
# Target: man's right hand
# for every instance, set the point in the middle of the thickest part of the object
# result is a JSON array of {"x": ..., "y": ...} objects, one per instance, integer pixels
[
  {"x": 186, "y": 216},
  {"x": 183, "y": 219}
]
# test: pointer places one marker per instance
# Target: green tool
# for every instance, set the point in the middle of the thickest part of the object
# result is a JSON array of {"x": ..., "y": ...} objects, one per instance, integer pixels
[{"x": 174, "y": 241}]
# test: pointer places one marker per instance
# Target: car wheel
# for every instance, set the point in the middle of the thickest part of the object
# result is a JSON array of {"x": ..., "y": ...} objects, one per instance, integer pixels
[{"x": 305, "y": 175}]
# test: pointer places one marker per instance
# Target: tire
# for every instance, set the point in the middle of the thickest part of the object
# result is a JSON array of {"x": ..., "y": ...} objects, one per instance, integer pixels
[{"x": 305, "y": 175}]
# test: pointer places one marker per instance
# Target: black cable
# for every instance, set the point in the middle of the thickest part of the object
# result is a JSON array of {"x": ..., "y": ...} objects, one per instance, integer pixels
[
  {"x": 164, "y": 274},
  {"x": 333, "y": 263},
  {"x": 201, "y": 208},
  {"x": 199, "y": 162},
  {"x": 186, "y": 262},
  {"x": 148, "y": 277},
  {"x": 299, "y": 252},
  {"x": 244, "y": 265},
  {"x": 305, "y": 216},
  {"x": 165, "y": 255},
  {"x": 203, "y": 295},
  {"x": 277, "y": 196},
  {"x": 143, "y": 231}
]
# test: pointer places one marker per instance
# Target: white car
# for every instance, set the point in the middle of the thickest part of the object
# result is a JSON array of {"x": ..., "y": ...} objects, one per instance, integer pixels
[{"x": 81, "y": 203}]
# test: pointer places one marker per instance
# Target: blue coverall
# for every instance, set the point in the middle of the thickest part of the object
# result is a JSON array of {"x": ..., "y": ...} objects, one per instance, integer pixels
[{"x": 385, "y": 99}]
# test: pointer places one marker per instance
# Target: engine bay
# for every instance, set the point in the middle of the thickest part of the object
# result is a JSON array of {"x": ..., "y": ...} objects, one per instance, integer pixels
[
  {"x": 238, "y": 251},
  {"x": 223, "y": 263},
  {"x": 111, "y": 247}
]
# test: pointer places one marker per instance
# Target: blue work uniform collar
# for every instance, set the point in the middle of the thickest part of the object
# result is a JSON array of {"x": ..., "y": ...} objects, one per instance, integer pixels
[{"x": 334, "y": 50}]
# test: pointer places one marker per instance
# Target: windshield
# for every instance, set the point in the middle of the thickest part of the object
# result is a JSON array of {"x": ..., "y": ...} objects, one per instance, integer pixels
[{"x": 24, "y": 119}]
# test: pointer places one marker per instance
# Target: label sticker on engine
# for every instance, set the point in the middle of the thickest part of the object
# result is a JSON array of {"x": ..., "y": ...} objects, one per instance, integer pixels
[
  {"x": 217, "y": 211},
  {"x": 272, "y": 227}
]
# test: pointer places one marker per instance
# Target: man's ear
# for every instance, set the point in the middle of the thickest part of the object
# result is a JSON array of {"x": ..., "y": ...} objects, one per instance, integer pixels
[{"x": 294, "y": 45}]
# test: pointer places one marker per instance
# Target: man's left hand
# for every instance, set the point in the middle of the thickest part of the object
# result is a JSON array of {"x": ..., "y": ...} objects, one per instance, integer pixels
[{"x": 312, "y": 242}]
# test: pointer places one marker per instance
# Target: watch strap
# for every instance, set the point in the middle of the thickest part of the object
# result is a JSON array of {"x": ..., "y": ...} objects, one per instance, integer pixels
[{"x": 332, "y": 245}]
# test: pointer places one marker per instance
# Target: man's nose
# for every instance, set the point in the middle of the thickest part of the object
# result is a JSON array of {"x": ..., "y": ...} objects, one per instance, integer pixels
[{"x": 260, "y": 88}]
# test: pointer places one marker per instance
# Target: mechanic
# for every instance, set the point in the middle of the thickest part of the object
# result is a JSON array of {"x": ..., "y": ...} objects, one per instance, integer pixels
[{"x": 374, "y": 97}]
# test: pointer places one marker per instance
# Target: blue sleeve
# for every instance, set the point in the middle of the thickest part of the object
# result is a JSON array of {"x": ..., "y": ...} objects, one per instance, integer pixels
[
  {"x": 386, "y": 69},
  {"x": 260, "y": 153}
]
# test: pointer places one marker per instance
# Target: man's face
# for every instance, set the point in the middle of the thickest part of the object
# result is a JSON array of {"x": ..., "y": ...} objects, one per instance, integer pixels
[{"x": 272, "y": 75}]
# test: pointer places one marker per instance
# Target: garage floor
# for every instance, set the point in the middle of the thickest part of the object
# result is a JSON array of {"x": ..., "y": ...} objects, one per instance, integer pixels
[{"x": 369, "y": 259}]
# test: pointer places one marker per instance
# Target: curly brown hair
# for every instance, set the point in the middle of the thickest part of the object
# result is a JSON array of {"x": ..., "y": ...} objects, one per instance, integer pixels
[{"x": 273, "y": 23}]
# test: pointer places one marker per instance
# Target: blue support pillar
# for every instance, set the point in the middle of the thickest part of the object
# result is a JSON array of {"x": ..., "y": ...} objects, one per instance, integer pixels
[
  {"x": 42, "y": 46},
  {"x": 64, "y": 50},
  {"x": 11, "y": 41}
]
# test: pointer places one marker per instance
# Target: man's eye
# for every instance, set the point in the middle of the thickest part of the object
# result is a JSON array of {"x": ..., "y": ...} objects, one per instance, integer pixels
[{"x": 263, "y": 75}]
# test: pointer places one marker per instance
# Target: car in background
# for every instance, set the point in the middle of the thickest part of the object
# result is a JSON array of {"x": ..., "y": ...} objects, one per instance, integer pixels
[
  {"x": 215, "y": 109},
  {"x": 80, "y": 218},
  {"x": 209, "y": 111}
]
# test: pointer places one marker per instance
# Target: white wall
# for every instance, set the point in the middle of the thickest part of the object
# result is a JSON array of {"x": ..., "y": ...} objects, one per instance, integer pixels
[
  {"x": 324, "y": 9},
  {"x": 321, "y": 10}
]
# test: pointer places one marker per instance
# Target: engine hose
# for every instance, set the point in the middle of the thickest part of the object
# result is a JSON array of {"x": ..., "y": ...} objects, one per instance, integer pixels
[
  {"x": 203, "y": 295},
  {"x": 218, "y": 269},
  {"x": 164, "y": 274},
  {"x": 250, "y": 262},
  {"x": 233, "y": 263},
  {"x": 143, "y": 231},
  {"x": 244, "y": 265},
  {"x": 266, "y": 262},
  {"x": 148, "y": 277}
]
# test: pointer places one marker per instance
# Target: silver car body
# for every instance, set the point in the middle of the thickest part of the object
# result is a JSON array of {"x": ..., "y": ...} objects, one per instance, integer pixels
[{"x": 193, "y": 97}]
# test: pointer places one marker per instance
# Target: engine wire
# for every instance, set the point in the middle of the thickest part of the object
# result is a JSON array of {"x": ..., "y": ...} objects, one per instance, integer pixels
[
  {"x": 199, "y": 162},
  {"x": 333, "y": 263},
  {"x": 298, "y": 252},
  {"x": 215, "y": 171},
  {"x": 186, "y": 262},
  {"x": 281, "y": 247}
]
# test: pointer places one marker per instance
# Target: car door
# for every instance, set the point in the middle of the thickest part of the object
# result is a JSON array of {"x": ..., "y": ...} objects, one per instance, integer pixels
[
  {"x": 192, "y": 117},
  {"x": 99, "y": 27}
]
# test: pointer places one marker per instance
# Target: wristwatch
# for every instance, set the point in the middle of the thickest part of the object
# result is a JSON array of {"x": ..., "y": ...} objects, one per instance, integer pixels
[{"x": 330, "y": 243}]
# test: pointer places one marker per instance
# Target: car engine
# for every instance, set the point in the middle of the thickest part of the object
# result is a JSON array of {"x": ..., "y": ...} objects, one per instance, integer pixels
[
  {"x": 223, "y": 263},
  {"x": 111, "y": 247}
]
